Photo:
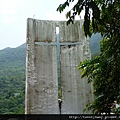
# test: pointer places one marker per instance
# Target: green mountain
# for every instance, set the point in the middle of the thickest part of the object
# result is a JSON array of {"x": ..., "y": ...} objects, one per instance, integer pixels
[
  {"x": 12, "y": 76},
  {"x": 12, "y": 80},
  {"x": 95, "y": 44}
]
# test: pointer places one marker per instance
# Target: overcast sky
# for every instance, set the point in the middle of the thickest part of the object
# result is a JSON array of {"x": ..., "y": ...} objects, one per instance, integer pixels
[{"x": 14, "y": 14}]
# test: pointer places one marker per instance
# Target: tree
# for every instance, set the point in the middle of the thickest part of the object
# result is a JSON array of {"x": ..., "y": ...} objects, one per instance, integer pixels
[{"x": 104, "y": 69}]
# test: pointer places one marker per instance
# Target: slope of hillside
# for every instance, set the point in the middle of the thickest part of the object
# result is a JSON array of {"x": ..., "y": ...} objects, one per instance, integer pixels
[
  {"x": 12, "y": 80},
  {"x": 95, "y": 44},
  {"x": 13, "y": 57}
]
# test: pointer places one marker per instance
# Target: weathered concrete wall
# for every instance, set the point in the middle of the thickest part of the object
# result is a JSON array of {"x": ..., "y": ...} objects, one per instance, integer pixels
[
  {"x": 70, "y": 33},
  {"x": 41, "y": 68},
  {"x": 76, "y": 93}
]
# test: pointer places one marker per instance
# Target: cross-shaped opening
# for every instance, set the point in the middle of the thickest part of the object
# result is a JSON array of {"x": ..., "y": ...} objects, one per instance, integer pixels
[{"x": 58, "y": 45}]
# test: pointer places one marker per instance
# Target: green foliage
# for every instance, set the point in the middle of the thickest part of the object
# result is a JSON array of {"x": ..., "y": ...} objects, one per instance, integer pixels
[
  {"x": 103, "y": 70},
  {"x": 60, "y": 94},
  {"x": 76, "y": 10},
  {"x": 12, "y": 80},
  {"x": 106, "y": 87}
]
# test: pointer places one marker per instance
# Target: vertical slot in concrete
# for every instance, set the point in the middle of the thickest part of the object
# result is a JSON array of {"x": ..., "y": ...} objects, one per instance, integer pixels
[
  {"x": 58, "y": 68},
  {"x": 58, "y": 55}
]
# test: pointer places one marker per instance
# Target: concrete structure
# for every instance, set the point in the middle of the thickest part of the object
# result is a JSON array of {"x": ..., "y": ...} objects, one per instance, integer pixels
[{"x": 45, "y": 54}]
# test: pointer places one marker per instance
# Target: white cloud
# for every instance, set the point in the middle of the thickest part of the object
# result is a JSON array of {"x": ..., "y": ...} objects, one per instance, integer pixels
[
  {"x": 55, "y": 16},
  {"x": 8, "y": 10},
  {"x": 62, "y": 16},
  {"x": 9, "y": 19}
]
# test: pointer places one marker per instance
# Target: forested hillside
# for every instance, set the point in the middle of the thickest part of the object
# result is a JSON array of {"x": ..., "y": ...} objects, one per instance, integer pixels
[
  {"x": 95, "y": 44},
  {"x": 12, "y": 80},
  {"x": 12, "y": 77}
]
